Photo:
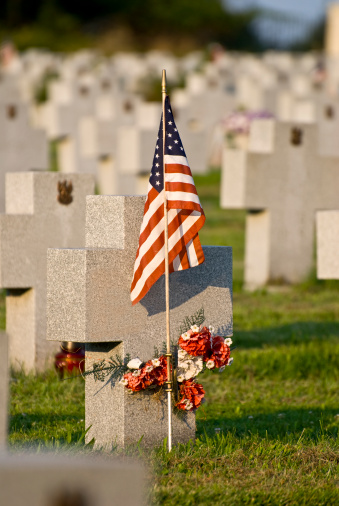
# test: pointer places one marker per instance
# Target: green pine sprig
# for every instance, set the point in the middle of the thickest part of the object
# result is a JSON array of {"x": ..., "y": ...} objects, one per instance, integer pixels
[
  {"x": 197, "y": 319},
  {"x": 114, "y": 368}
]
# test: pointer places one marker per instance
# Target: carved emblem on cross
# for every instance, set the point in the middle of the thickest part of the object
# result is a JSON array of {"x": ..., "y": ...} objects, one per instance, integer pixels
[{"x": 65, "y": 190}]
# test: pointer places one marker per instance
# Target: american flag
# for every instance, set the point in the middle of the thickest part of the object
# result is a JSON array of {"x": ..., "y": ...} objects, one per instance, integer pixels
[{"x": 185, "y": 214}]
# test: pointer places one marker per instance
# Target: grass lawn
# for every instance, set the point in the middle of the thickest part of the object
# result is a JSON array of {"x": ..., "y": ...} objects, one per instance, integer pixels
[{"x": 277, "y": 407}]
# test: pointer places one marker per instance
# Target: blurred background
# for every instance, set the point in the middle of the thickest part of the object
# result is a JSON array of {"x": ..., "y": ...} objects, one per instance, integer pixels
[{"x": 178, "y": 25}]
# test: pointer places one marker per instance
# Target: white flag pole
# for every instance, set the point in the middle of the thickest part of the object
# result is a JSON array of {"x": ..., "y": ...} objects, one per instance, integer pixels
[{"x": 168, "y": 339}]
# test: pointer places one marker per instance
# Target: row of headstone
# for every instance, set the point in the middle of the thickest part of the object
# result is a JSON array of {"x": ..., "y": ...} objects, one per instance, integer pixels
[
  {"x": 88, "y": 301},
  {"x": 93, "y": 105}
]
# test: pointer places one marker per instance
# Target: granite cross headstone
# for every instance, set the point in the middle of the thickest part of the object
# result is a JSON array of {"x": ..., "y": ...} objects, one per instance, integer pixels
[
  {"x": 42, "y": 210},
  {"x": 88, "y": 294}
]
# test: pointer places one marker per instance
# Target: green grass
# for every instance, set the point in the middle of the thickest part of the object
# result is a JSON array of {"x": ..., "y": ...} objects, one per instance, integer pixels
[
  {"x": 277, "y": 407},
  {"x": 45, "y": 410}
]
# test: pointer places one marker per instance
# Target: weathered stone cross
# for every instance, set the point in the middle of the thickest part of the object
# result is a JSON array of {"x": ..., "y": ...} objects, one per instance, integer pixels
[
  {"x": 282, "y": 181},
  {"x": 42, "y": 212},
  {"x": 88, "y": 293}
]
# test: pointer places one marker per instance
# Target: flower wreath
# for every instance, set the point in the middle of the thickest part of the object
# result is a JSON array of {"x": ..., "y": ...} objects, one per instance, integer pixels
[{"x": 198, "y": 350}]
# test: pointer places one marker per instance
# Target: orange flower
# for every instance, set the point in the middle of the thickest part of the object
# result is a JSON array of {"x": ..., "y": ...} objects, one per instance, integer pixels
[
  {"x": 192, "y": 394},
  {"x": 135, "y": 383},
  {"x": 155, "y": 375},
  {"x": 159, "y": 373},
  {"x": 198, "y": 343},
  {"x": 148, "y": 375},
  {"x": 219, "y": 352}
]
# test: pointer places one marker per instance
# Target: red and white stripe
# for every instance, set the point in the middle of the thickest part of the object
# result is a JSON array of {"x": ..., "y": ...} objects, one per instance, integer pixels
[{"x": 185, "y": 219}]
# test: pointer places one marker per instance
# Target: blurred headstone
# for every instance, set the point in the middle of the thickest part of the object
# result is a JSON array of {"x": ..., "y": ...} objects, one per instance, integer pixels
[
  {"x": 22, "y": 147},
  {"x": 327, "y": 244},
  {"x": 332, "y": 48},
  {"x": 332, "y": 30},
  {"x": 10, "y": 63},
  {"x": 64, "y": 480},
  {"x": 135, "y": 143},
  {"x": 328, "y": 127}
]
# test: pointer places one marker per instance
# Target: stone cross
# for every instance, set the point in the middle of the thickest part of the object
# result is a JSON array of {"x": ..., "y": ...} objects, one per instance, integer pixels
[
  {"x": 41, "y": 211},
  {"x": 21, "y": 146},
  {"x": 89, "y": 301},
  {"x": 3, "y": 388},
  {"x": 282, "y": 181},
  {"x": 327, "y": 226}
]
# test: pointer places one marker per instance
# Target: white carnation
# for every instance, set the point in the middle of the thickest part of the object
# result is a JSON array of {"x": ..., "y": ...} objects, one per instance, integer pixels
[
  {"x": 156, "y": 362},
  {"x": 123, "y": 382},
  {"x": 182, "y": 354},
  {"x": 228, "y": 341},
  {"x": 135, "y": 363},
  {"x": 180, "y": 378},
  {"x": 190, "y": 373},
  {"x": 149, "y": 368},
  {"x": 189, "y": 406},
  {"x": 184, "y": 364},
  {"x": 185, "y": 336},
  {"x": 230, "y": 361},
  {"x": 195, "y": 328},
  {"x": 136, "y": 373},
  {"x": 211, "y": 329},
  {"x": 189, "y": 367},
  {"x": 210, "y": 364}
]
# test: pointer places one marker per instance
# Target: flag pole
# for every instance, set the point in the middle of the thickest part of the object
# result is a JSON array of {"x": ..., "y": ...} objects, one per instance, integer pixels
[{"x": 168, "y": 340}]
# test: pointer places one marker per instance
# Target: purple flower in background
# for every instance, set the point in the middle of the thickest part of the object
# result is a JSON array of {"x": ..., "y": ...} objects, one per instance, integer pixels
[{"x": 239, "y": 122}]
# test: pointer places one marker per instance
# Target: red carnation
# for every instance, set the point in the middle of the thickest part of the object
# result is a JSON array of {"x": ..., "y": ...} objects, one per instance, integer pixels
[
  {"x": 198, "y": 343},
  {"x": 219, "y": 352},
  {"x": 135, "y": 383},
  {"x": 192, "y": 394},
  {"x": 160, "y": 373},
  {"x": 148, "y": 375}
]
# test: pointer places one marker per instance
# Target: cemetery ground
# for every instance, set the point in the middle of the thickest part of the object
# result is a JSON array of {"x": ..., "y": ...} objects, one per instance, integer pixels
[{"x": 277, "y": 407}]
